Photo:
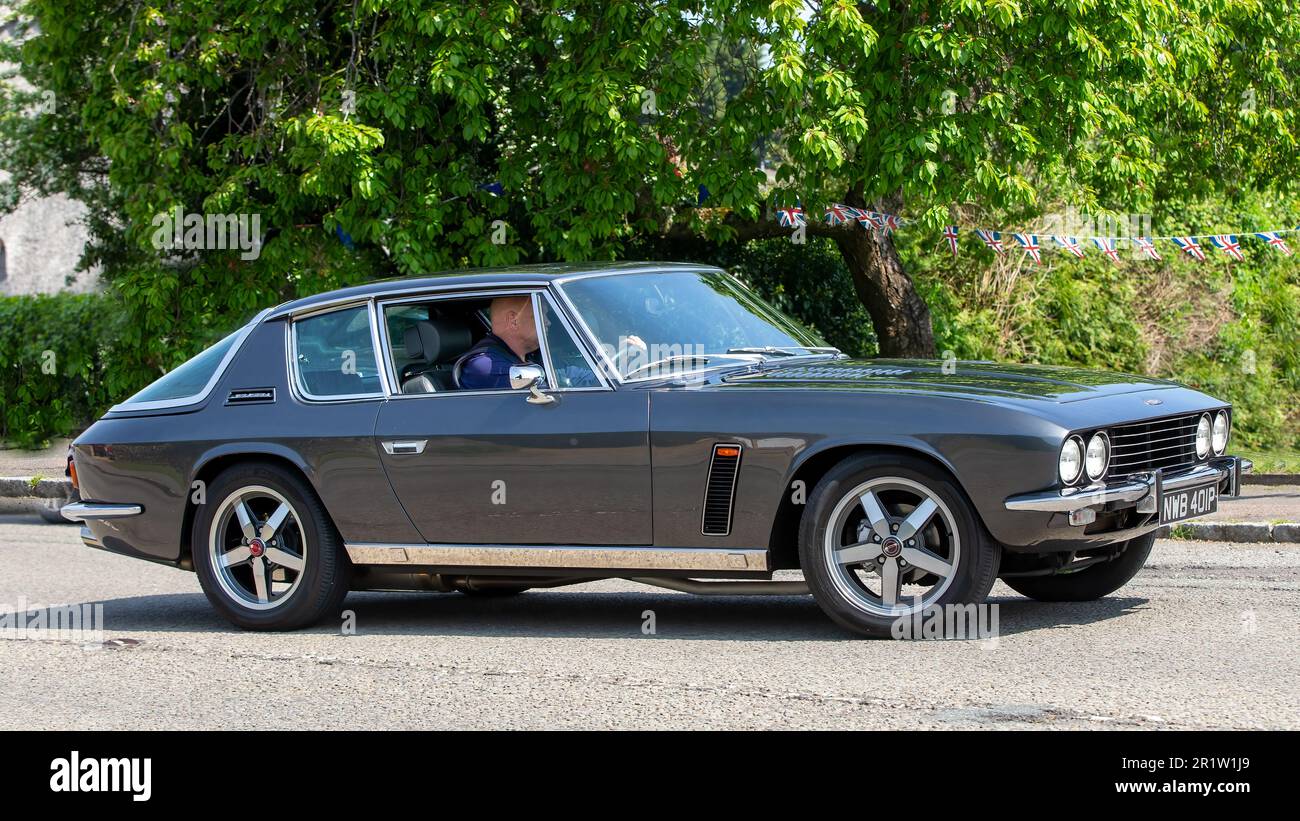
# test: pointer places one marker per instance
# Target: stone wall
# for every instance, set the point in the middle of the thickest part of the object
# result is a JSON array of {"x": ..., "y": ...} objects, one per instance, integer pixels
[{"x": 40, "y": 245}]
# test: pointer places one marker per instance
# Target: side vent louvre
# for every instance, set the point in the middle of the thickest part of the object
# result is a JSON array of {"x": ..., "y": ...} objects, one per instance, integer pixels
[
  {"x": 250, "y": 396},
  {"x": 720, "y": 492}
]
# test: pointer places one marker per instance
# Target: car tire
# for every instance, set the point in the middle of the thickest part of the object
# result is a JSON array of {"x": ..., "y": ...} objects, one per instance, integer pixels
[
  {"x": 951, "y": 541},
  {"x": 302, "y": 552},
  {"x": 1091, "y": 582}
]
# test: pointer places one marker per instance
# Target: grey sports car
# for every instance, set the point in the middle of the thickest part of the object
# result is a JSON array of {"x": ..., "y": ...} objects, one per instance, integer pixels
[{"x": 669, "y": 428}]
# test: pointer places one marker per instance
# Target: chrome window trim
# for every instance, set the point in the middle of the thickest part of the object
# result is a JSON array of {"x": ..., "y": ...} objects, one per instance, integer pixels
[
  {"x": 326, "y": 307},
  {"x": 299, "y": 391},
  {"x": 530, "y": 289},
  {"x": 196, "y": 398}
]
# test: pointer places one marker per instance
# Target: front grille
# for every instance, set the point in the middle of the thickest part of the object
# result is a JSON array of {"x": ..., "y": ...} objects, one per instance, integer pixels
[
  {"x": 719, "y": 493},
  {"x": 1144, "y": 447}
]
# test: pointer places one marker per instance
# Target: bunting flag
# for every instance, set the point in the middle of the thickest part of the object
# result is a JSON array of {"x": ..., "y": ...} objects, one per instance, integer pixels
[
  {"x": 1107, "y": 247},
  {"x": 1227, "y": 243},
  {"x": 1191, "y": 246},
  {"x": 1148, "y": 245},
  {"x": 1030, "y": 243},
  {"x": 950, "y": 234},
  {"x": 1275, "y": 239},
  {"x": 992, "y": 239},
  {"x": 790, "y": 216},
  {"x": 839, "y": 214},
  {"x": 1070, "y": 244},
  {"x": 870, "y": 219}
]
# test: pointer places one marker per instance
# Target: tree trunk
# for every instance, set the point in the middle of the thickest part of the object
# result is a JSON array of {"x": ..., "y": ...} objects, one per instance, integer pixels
[{"x": 899, "y": 314}]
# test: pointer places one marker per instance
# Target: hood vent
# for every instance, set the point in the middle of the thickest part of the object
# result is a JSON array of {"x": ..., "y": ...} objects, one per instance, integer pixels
[
  {"x": 720, "y": 492},
  {"x": 251, "y": 396}
]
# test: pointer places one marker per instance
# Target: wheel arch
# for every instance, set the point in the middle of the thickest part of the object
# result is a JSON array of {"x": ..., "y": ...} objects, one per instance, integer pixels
[
  {"x": 812, "y": 465},
  {"x": 218, "y": 459}
]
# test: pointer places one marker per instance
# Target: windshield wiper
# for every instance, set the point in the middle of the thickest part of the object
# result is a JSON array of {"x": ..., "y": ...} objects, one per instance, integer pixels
[
  {"x": 766, "y": 350},
  {"x": 772, "y": 350},
  {"x": 667, "y": 360}
]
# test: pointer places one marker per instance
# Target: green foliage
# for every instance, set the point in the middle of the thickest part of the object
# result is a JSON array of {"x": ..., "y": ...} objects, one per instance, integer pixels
[
  {"x": 57, "y": 369},
  {"x": 382, "y": 120}
]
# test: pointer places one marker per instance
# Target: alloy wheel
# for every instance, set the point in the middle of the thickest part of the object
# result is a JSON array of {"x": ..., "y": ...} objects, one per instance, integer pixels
[{"x": 257, "y": 547}]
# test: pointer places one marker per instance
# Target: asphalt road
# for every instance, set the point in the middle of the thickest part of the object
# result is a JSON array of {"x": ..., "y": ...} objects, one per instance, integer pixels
[{"x": 1205, "y": 637}]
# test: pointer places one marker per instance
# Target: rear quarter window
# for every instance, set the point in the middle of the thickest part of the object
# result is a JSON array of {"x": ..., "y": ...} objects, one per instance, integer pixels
[
  {"x": 189, "y": 380},
  {"x": 335, "y": 355}
]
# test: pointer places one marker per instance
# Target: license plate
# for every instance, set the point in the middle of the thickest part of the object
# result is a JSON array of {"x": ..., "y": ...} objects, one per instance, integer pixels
[{"x": 1176, "y": 505}]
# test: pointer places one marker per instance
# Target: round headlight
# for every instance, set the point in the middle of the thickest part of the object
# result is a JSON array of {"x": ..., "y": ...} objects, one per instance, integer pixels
[
  {"x": 1071, "y": 464},
  {"x": 1219, "y": 438},
  {"x": 1098, "y": 456},
  {"x": 1203, "y": 436}
]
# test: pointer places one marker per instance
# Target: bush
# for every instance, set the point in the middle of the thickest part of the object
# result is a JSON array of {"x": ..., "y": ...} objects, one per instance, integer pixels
[{"x": 56, "y": 353}]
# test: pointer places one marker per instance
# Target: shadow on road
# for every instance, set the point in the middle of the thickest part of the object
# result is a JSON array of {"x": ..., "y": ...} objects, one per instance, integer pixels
[{"x": 587, "y": 614}]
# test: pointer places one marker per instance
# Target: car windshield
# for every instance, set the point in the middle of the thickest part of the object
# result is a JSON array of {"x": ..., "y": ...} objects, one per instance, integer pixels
[{"x": 651, "y": 324}]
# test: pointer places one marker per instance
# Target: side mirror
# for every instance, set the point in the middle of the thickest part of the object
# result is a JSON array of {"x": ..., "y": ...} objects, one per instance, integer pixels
[{"x": 528, "y": 377}]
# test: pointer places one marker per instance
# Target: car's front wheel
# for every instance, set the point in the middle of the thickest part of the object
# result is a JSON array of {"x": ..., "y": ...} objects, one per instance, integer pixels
[
  {"x": 886, "y": 537},
  {"x": 1091, "y": 582},
  {"x": 265, "y": 551}
]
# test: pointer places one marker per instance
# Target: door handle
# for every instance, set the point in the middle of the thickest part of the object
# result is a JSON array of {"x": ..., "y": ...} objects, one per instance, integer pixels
[{"x": 410, "y": 446}]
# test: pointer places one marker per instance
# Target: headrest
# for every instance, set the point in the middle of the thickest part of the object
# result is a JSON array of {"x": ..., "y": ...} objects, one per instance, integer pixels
[{"x": 437, "y": 340}]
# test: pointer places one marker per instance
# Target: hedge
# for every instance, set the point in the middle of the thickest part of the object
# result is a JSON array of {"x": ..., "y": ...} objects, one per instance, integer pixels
[{"x": 57, "y": 354}]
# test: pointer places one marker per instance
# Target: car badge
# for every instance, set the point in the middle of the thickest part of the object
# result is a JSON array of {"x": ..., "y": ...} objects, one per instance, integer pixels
[{"x": 1154, "y": 401}]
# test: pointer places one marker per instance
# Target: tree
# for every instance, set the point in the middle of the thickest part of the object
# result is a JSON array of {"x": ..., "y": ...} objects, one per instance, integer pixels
[{"x": 399, "y": 136}]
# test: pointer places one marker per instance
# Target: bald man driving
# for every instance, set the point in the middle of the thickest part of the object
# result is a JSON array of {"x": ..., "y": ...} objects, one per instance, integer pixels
[{"x": 513, "y": 341}]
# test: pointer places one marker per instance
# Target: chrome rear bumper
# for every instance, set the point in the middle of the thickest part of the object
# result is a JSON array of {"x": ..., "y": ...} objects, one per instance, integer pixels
[
  {"x": 1141, "y": 491},
  {"x": 81, "y": 511}
]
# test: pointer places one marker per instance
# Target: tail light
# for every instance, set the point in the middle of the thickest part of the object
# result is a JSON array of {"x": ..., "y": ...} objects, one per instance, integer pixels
[{"x": 71, "y": 470}]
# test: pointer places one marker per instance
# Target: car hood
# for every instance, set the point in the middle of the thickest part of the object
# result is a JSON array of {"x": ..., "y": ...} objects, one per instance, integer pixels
[{"x": 972, "y": 379}]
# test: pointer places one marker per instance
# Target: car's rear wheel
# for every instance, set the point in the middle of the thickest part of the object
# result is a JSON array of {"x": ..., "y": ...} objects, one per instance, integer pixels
[
  {"x": 885, "y": 537},
  {"x": 265, "y": 551},
  {"x": 1091, "y": 582}
]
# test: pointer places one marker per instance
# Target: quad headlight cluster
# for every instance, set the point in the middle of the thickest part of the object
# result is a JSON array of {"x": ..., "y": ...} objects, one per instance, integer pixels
[
  {"x": 1079, "y": 458},
  {"x": 1090, "y": 458}
]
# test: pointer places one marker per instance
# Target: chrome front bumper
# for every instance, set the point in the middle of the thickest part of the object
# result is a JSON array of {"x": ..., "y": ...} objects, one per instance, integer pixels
[{"x": 1141, "y": 491}]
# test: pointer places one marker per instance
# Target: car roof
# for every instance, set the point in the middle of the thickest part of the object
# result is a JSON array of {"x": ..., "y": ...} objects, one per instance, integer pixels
[{"x": 469, "y": 277}]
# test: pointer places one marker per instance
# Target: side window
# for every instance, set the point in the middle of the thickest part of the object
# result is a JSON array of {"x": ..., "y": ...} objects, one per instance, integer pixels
[
  {"x": 571, "y": 368},
  {"x": 335, "y": 355}
]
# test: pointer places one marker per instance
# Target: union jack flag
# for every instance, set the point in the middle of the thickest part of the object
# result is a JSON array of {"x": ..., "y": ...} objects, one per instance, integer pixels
[
  {"x": 891, "y": 222},
  {"x": 1191, "y": 246},
  {"x": 1227, "y": 243},
  {"x": 1030, "y": 243},
  {"x": 870, "y": 219},
  {"x": 839, "y": 214},
  {"x": 992, "y": 239},
  {"x": 1107, "y": 247},
  {"x": 1070, "y": 244},
  {"x": 1274, "y": 238},
  {"x": 1148, "y": 245},
  {"x": 790, "y": 217},
  {"x": 950, "y": 234}
]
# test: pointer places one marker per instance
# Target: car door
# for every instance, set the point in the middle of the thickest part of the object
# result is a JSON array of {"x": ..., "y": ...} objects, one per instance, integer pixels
[{"x": 489, "y": 467}]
